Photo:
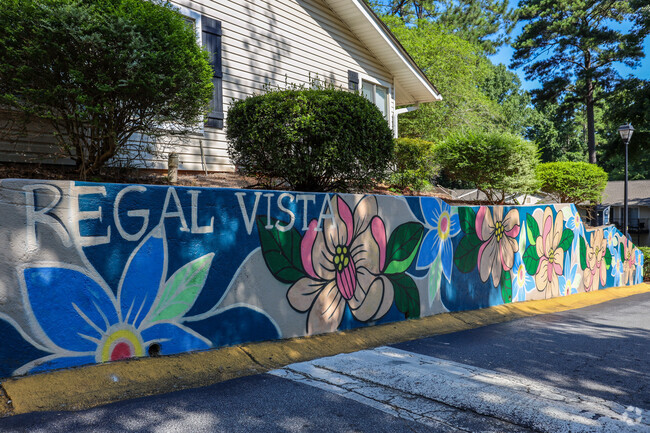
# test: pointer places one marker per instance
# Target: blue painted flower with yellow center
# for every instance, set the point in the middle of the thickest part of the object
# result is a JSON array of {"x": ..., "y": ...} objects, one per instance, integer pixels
[
  {"x": 79, "y": 320},
  {"x": 443, "y": 225}
]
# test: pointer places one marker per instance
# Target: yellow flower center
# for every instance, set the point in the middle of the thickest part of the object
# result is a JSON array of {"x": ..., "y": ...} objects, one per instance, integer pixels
[
  {"x": 342, "y": 258},
  {"x": 444, "y": 227},
  {"x": 521, "y": 276},
  {"x": 551, "y": 255},
  {"x": 121, "y": 344},
  {"x": 499, "y": 231}
]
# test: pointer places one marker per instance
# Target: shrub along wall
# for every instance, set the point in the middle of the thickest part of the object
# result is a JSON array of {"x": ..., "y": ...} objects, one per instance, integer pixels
[{"x": 91, "y": 273}]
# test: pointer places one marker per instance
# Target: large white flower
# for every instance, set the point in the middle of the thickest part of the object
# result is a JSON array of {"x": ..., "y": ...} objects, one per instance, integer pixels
[{"x": 344, "y": 264}]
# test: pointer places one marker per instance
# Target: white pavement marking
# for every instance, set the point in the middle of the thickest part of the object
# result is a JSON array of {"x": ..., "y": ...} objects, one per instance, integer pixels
[{"x": 460, "y": 397}]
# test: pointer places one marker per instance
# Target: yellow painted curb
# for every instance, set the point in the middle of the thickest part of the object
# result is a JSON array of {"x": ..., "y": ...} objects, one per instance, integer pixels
[{"x": 85, "y": 387}]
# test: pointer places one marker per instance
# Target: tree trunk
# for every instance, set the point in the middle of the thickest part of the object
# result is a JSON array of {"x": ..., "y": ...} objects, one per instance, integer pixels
[{"x": 591, "y": 122}]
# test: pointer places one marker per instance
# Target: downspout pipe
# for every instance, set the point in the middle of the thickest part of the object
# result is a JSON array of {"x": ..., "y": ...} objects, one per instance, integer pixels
[{"x": 402, "y": 111}]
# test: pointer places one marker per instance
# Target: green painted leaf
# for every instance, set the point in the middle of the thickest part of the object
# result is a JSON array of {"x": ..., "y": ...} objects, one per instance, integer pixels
[
  {"x": 531, "y": 260},
  {"x": 182, "y": 289},
  {"x": 435, "y": 278},
  {"x": 467, "y": 218},
  {"x": 466, "y": 254},
  {"x": 281, "y": 251},
  {"x": 621, "y": 251},
  {"x": 566, "y": 240},
  {"x": 407, "y": 297},
  {"x": 583, "y": 253},
  {"x": 532, "y": 229},
  {"x": 402, "y": 247},
  {"x": 608, "y": 258},
  {"x": 506, "y": 286}
]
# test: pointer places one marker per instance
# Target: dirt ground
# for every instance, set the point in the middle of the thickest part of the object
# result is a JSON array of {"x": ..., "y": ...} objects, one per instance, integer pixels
[{"x": 159, "y": 177}]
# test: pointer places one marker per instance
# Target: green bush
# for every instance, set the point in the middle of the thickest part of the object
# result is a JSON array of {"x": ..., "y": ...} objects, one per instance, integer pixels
[
  {"x": 497, "y": 164},
  {"x": 314, "y": 140},
  {"x": 572, "y": 182},
  {"x": 100, "y": 71},
  {"x": 413, "y": 164},
  {"x": 646, "y": 262}
]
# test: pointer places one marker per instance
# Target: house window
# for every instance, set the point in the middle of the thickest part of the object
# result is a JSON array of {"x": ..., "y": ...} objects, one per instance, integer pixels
[
  {"x": 211, "y": 37},
  {"x": 353, "y": 81},
  {"x": 376, "y": 94},
  {"x": 633, "y": 220}
]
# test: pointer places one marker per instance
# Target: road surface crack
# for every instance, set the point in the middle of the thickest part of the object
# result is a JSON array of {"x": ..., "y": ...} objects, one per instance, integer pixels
[{"x": 404, "y": 395}]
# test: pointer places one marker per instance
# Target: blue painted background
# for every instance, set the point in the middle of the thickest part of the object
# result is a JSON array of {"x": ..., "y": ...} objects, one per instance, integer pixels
[{"x": 349, "y": 261}]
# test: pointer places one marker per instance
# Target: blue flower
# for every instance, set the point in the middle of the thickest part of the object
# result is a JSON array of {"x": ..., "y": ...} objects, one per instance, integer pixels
[
  {"x": 574, "y": 223},
  {"x": 443, "y": 225},
  {"x": 639, "y": 267},
  {"x": 522, "y": 282},
  {"x": 617, "y": 266},
  {"x": 80, "y": 321},
  {"x": 569, "y": 282}
]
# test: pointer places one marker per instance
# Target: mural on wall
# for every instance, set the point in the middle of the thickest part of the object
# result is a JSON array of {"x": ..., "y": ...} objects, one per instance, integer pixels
[{"x": 100, "y": 272}]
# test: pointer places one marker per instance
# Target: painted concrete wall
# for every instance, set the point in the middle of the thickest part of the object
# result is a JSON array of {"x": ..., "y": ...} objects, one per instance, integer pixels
[{"x": 92, "y": 273}]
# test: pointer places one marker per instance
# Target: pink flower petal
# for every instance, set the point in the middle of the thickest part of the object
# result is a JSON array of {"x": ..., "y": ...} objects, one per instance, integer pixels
[
  {"x": 306, "y": 246},
  {"x": 514, "y": 232},
  {"x": 346, "y": 216},
  {"x": 379, "y": 234},
  {"x": 480, "y": 216}
]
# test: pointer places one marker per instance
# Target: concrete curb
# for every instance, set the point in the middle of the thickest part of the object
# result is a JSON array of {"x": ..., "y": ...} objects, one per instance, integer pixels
[{"x": 85, "y": 387}]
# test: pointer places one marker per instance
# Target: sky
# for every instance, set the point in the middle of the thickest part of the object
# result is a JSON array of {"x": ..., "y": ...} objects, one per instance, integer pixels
[{"x": 504, "y": 55}]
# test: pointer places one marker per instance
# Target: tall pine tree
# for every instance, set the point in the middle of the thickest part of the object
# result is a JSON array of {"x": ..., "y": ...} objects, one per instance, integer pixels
[{"x": 572, "y": 46}]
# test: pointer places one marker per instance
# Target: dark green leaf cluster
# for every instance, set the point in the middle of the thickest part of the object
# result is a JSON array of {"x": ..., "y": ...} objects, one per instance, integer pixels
[
  {"x": 498, "y": 164},
  {"x": 477, "y": 95},
  {"x": 101, "y": 70},
  {"x": 413, "y": 164},
  {"x": 313, "y": 140},
  {"x": 572, "y": 182},
  {"x": 628, "y": 103}
]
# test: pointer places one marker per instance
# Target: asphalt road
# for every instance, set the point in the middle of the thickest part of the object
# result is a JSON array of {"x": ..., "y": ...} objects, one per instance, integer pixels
[{"x": 592, "y": 361}]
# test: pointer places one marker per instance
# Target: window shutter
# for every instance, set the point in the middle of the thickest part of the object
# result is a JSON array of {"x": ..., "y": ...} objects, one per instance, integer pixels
[
  {"x": 353, "y": 80},
  {"x": 211, "y": 37}
]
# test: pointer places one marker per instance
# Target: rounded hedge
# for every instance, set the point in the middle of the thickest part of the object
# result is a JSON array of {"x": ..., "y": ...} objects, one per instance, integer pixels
[
  {"x": 496, "y": 163},
  {"x": 572, "y": 182},
  {"x": 314, "y": 140}
]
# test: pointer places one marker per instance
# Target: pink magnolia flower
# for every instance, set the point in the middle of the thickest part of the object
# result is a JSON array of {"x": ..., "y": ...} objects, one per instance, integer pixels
[
  {"x": 551, "y": 256},
  {"x": 344, "y": 264},
  {"x": 596, "y": 269},
  {"x": 629, "y": 263},
  {"x": 498, "y": 234}
]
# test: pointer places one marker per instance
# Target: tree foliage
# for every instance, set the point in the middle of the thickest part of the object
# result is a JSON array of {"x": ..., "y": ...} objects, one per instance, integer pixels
[
  {"x": 458, "y": 69},
  {"x": 572, "y": 182},
  {"x": 560, "y": 133},
  {"x": 314, "y": 140},
  {"x": 486, "y": 23},
  {"x": 99, "y": 71},
  {"x": 628, "y": 103},
  {"x": 572, "y": 47},
  {"x": 498, "y": 164},
  {"x": 503, "y": 87},
  {"x": 413, "y": 164}
]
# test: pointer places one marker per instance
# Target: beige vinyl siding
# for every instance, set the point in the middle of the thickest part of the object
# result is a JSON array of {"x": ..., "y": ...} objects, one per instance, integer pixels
[{"x": 270, "y": 42}]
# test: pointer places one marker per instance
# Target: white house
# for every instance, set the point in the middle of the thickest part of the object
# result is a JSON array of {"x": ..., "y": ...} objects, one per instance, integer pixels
[
  {"x": 271, "y": 42},
  {"x": 638, "y": 201}
]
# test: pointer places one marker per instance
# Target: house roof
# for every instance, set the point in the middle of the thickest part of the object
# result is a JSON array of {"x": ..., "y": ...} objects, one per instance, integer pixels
[
  {"x": 638, "y": 193},
  {"x": 412, "y": 85}
]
